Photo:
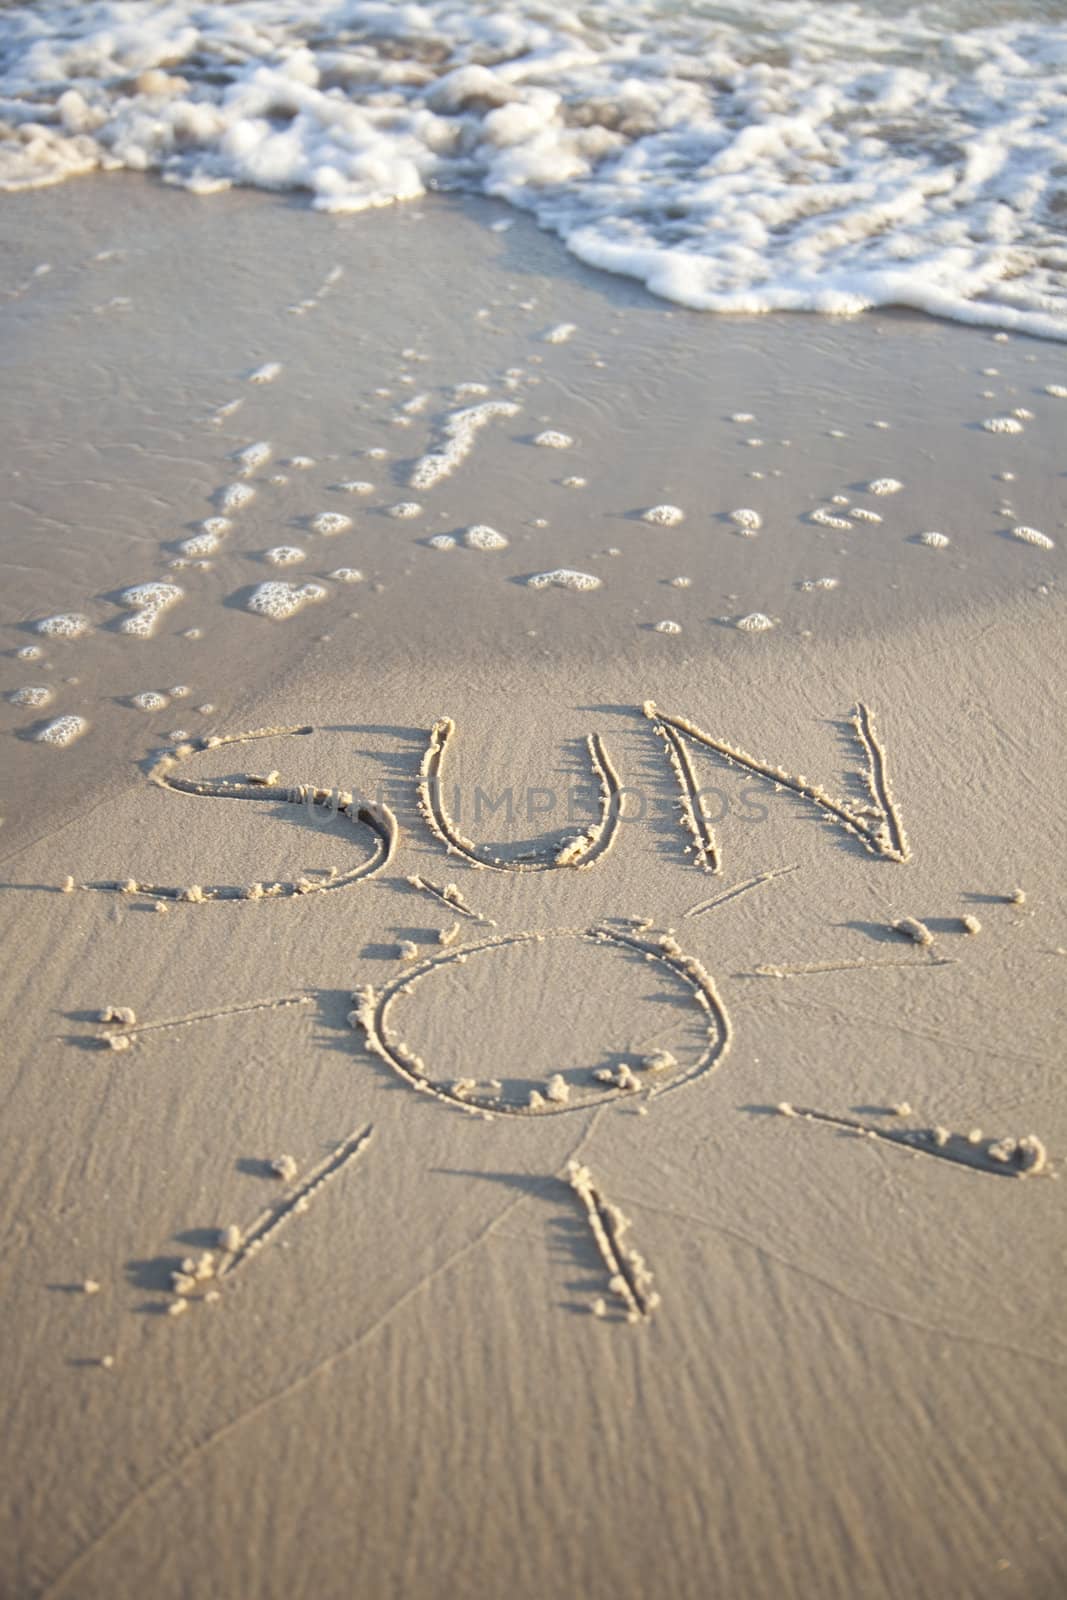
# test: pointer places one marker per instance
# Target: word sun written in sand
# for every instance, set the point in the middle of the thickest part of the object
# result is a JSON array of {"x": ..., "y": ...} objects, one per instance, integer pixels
[{"x": 873, "y": 822}]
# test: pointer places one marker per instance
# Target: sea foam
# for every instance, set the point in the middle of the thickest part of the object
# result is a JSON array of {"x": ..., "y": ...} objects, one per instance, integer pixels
[
  {"x": 278, "y": 600},
  {"x": 62, "y": 730},
  {"x": 823, "y": 158},
  {"x": 563, "y": 578},
  {"x": 147, "y": 603}
]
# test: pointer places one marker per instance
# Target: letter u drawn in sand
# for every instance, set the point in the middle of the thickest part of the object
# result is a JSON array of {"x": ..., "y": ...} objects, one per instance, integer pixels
[{"x": 583, "y": 850}]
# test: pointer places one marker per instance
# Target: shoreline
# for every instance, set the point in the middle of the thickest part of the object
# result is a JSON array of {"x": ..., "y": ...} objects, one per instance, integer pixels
[{"x": 647, "y": 393}]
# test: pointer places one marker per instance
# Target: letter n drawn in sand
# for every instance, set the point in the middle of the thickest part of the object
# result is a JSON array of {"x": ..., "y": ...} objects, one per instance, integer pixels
[{"x": 876, "y": 824}]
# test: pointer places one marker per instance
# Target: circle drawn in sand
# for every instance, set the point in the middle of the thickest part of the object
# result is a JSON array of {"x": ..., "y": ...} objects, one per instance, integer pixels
[{"x": 658, "y": 1071}]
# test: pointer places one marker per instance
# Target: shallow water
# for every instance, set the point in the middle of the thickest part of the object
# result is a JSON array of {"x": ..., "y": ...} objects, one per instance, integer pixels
[{"x": 813, "y": 158}]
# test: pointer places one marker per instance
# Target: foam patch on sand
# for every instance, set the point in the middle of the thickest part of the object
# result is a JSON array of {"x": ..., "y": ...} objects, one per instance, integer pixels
[
  {"x": 279, "y": 600},
  {"x": 62, "y": 731},
  {"x": 564, "y": 578},
  {"x": 663, "y": 516},
  {"x": 460, "y": 431},
  {"x": 147, "y": 602},
  {"x": 330, "y": 522},
  {"x": 67, "y": 625},
  {"x": 482, "y": 537},
  {"x": 33, "y": 695},
  {"x": 235, "y": 496},
  {"x": 1034, "y": 536}
]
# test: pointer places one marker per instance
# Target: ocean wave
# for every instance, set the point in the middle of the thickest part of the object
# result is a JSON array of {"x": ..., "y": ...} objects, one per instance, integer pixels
[{"x": 814, "y": 158}]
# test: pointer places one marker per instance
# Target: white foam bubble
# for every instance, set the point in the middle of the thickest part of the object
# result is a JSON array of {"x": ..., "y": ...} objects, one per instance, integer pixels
[
  {"x": 301, "y": 463},
  {"x": 564, "y": 578},
  {"x": 1002, "y": 425},
  {"x": 935, "y": 540},
  {"x": 667, "y": 626},
  {"x": 36, "y": 695},
  {"x": 67, "y": 625},
  {"x": 663, "y": 516},
  {"x": 266, "y": 373},
  {"x": 147, "y": 602},
  {"x": 62, "y": 730},
  {"x": 253, "y": 456},
  {"x": 284, "y": 555},
  {"x": 29, "y": 652},
  {"x": 552, "y": 439},
  {"x": 235, "y": 496},
  {"x": 1034, "y": 536},
  {"x": 199, "y": 544},
  {"x": 346, "y": 575},
  {"x": 560, "y": 333},
  {"x": 861, "y": 514},
  {"x": 356, "y": 486},
  {"x": 1058, "y": 391},
  {"x": 442, "y": 541},
  {"x": 482, "y": 537},
  {"x": 149, "y": 700},
  {"x": 460, "y": 431},
  {"x": 330, "y": 522},
  {"x": 827, "y": 519},
  {"x": 219, "y": 415},
  {"x": 811, "y": 584},
  {"x": 755, "y": 622},
  {"x": 405, "y": 510},
  {"x": 574, "y": 483},
  {"x": 885, "y": 486},
  {"x": 278, "y": 600},
  {"x": 747, "y": 520}
]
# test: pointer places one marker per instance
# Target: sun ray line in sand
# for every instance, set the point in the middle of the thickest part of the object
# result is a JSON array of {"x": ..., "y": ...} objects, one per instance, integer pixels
[
  {"x": 174, "y": 1469},
  {"x": 877, "y": 776},
  {"x": 628, "y": 1274},
  {"x": 581, "y": 851},
  {"x": 296, "y": 1201},
  {"x": 805, "y": 969},
  {"x": 877, "y": 826},
  {"x": 379, "y": 819},
  {"x": 371, "y": 1014},
  {"x": 740, "y": 889},
  {"x": 1001, "y": 1158},
  {"x": 449, "y": 896},
  {"x": 132, "y": 1031}
]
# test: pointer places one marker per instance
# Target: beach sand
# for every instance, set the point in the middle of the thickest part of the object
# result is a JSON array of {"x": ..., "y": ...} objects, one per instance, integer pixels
[{"x": 424, "y": 1382}]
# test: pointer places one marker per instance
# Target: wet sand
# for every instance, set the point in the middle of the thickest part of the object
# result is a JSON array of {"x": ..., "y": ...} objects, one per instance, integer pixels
[{"x": 423, "y": 1381}]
